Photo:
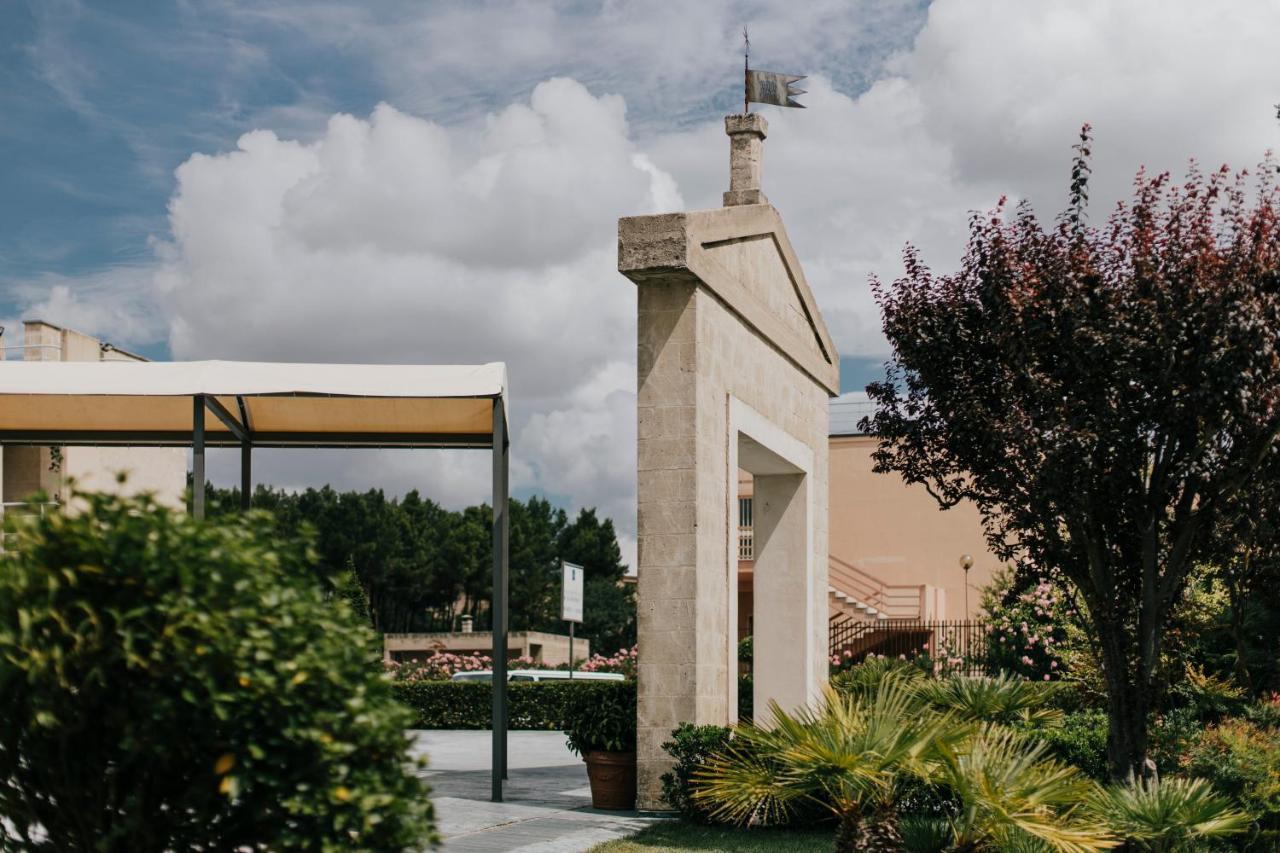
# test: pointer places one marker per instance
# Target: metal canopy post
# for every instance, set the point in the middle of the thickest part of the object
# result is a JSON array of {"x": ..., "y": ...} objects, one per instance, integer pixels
[
  {"x": 197, "y": 456},
  {"x": 246, "y": 475},
  {"x": 498, "y": 612},
  {"x": 246, "y": 458}
]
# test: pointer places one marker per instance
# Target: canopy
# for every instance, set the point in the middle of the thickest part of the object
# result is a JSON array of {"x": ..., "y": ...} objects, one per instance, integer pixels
[
  {"x": 277, "y": 405},
  {"x": 314, "y": 405}
]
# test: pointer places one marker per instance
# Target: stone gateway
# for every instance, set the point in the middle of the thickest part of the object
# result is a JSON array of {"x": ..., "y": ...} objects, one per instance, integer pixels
[{"x": 735, "y": 371}]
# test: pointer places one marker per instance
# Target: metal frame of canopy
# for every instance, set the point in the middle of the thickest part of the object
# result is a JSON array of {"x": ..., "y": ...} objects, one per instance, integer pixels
[{"x": 40, "y": 380}]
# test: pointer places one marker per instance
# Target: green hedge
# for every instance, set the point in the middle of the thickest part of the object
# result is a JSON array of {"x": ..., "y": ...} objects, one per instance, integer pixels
[{"x": 530, "y": 705}]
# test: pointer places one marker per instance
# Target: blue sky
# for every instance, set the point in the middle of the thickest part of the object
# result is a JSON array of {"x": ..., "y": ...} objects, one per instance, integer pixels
[
  {"x": 103, "y": 100},
  {"x": 420, "y": 182}
]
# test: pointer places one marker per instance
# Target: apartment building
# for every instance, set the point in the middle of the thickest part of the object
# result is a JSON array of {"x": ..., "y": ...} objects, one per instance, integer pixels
[
  {"x": 25, "y": 471},
  {"x": 895, "y": 558}
]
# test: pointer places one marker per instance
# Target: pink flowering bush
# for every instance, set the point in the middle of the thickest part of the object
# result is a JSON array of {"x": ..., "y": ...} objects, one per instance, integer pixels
[
  {"x": 623, "y": 661},
  {"x": 1027, "y": 628},
  {"x": 441, "y": 666},
  {"x": 939, "y": 658}
]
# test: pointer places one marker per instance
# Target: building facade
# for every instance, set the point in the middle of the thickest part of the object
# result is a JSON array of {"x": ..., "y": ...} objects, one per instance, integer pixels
[
  {"x": 26, "y": 471},
  {"x": 894, "y": 556}
]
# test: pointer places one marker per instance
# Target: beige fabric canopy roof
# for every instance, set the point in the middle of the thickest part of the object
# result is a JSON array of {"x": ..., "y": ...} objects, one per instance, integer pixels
[
  {"x": 277, "y": 405},
  {"x": 335, "y": 405}
]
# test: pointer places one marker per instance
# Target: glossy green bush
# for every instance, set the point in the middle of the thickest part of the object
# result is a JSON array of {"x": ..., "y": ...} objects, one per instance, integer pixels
[
  {"x": 468, "y": 704},
  {"x": 167, "y": 684},
  {"x": 602, "y": 717},
  {"x": 1080, "y": 740},
  {"x": 691, "y": 746}
]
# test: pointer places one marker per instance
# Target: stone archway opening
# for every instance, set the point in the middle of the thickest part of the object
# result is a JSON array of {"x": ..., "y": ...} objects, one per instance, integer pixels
[{"x": 782, "y": 613}]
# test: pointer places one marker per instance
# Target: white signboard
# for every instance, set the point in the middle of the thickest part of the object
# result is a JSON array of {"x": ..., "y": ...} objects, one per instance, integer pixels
[{"x": 571, "y": 592}]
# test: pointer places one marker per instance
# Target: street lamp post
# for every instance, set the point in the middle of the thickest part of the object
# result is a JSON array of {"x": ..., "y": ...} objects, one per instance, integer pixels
[{"x": 966, "y": 563}]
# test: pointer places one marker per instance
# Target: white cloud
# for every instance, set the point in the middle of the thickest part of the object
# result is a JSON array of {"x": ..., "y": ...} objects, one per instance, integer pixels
[
  {"x": 394, "y": 238},
  {"x": 115, "y": 304},
  {"x": 988, "y": 101}
]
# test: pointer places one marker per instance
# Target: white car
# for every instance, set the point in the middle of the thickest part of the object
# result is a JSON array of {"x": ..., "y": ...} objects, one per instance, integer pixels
[{"x": 538, "y": 675}]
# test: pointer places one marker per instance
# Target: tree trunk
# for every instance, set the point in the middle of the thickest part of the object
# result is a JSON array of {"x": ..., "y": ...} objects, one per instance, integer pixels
[
  {"x": 1128, "y": 705},
  {"x": 1235, "y": 598}
]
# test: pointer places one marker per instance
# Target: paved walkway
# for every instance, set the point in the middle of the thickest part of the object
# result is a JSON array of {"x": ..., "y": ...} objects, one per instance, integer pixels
[{"x": 547, "y": 806}]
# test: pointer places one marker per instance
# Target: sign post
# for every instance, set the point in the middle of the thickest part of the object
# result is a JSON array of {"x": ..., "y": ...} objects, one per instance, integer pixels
[{"x": 571, "y": 600}]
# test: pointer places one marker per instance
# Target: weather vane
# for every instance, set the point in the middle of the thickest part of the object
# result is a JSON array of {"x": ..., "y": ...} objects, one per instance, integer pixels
[{"x": 766, "y": 87}]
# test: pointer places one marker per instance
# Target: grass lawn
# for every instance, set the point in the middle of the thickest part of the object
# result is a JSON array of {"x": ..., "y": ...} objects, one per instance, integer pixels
[{"x": 677, "y": 835}]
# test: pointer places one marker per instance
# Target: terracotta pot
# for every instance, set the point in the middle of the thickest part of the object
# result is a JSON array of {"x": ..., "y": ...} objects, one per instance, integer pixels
[{"x": 613, "y": 780}]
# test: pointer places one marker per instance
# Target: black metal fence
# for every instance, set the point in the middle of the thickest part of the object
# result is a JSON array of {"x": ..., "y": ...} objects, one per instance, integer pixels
[{"x": 941, "y": 646}]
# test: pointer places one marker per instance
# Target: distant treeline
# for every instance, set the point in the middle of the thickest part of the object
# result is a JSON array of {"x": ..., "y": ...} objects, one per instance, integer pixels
[{"x": 418, "y": 562}]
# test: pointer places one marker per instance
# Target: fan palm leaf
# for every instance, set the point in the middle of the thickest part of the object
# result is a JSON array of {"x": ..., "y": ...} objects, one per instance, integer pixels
[
  {"x": 1004, "y": 698},
  {"x": 1173, "y": 814},
  {"x": 1011, "y": 794}
]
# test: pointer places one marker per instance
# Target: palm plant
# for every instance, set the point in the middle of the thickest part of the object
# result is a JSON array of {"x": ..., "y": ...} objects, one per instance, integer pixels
[
  {"x": 1170, "y": 815},
  {"x": 1014, "y": 797},
  {"x": 1004, "y": 698},
  {"x": 848, "y": 756}
]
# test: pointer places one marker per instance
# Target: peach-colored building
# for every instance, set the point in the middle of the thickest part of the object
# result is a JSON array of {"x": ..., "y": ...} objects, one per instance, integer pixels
[
  {"x": 26, "y": 470},
  {"x": 894, "y": 556}
]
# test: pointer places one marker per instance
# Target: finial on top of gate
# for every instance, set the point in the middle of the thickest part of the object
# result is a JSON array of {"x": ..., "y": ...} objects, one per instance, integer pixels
[{"x": 747, "y": 131}]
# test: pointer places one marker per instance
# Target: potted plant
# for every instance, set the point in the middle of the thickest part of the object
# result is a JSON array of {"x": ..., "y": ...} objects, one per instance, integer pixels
[{"x": 601, "y": 725}]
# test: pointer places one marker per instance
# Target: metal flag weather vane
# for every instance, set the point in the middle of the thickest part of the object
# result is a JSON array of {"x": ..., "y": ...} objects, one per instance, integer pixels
[{"x": 766, "y": 87}]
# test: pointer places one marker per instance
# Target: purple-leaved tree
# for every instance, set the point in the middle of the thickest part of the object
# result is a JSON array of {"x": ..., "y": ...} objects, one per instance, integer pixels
[{"x": 1101, "y": 394}]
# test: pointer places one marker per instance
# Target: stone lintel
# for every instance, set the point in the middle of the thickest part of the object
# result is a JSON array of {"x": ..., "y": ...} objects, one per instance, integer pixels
[{"x": 672, "y": 247}]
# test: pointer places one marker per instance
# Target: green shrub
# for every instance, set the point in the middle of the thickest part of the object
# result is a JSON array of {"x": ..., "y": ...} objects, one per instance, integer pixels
[
  {"x": 1242, "y": 760},
  {"x": 865, "y": 677},
  {"x": 169, "y": 684},
  {"x": 1170, "y": 815},
  {"x": 746, "y": 698},
  {"x": 1265, "y": 713},
  {"x": 1081, "y": 741},
  {"x": 602, "y": 717},
  {"x": 1171, "y": 736},
  {"x": 690, "y": 746},
  {"x": 468, "y": 704},
  {"x": 1005, "y": 698},
  {"x": 1211, "y": 697}
]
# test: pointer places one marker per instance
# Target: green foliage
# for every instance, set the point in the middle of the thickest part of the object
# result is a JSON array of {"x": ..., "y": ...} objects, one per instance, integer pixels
[
  {"x": 925, "y": 834},
  {"x": 746, "y": 650},
  {"x": 1171, "y": 815},
  {"x": 847, "y": 755},
  {"x": 1004, "y": 698},
  {"x": 351, "y": 591},
  {"x": 1080, "y": 740},
  {"x": 1210, "y": 697},
  {"x": 542, "y": 705},
  {"x": 746, "y": 697},
  {"x": 1265, "y": 713},
  {"x": 602, "y": 718},
  {"x": 691, "y": 746},
  {"x": 1242, "y": 760},
  {"x": 869, "y": 754},
  {"x": 1014, "y": 794},
  {"x": 171, "y": 684},
  {"x": 865, "y": 677},
  {"x": 418, "y": 562}
]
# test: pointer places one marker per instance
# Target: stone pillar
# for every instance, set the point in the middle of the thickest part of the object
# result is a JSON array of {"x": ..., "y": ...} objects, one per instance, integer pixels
[
  {"x": 746, "y": 153},
  {"x": 732, "y": 353}
]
